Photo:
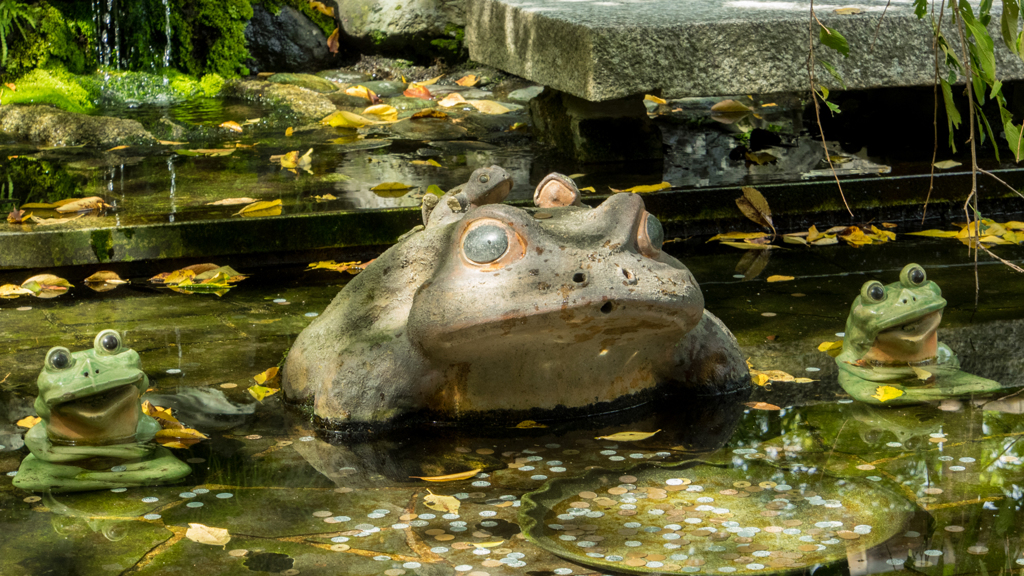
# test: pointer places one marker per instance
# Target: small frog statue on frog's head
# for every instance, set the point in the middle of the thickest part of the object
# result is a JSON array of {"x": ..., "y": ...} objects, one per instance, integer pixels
[
  {"x": 94, "y": 434},
  {"x": 891, "y": 352}
]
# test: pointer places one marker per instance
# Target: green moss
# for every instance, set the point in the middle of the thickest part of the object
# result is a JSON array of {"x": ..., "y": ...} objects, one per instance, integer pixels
[
  {"x": 209, "y": 36},
  {"x": 39, "y": 181},
  {"x": 55, "y": 41},
  {"x": 55, "y": 87},
  {"x": 451, "y": 47},
  {"x": 211, "y": 84},
  {"x": 377, "y": 37}
]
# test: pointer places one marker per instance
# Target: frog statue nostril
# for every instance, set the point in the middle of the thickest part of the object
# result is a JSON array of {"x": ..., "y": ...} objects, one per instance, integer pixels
[{"x": 579, "y": 277}]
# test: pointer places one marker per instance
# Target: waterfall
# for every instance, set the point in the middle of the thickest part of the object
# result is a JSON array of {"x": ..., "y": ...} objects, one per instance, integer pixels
[{"x": 108, "y": 31}]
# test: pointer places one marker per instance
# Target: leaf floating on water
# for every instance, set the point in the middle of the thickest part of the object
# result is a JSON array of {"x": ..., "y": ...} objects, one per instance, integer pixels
[
  {"x": 749, "y": 246},
  {"x": 170, "y": 142},
  {"x": 207, "y": 152},
  {"x": 322, "y": 8},
  {"x": 260, "y": 392},
  {"x": 265, "y": 208},
  {"x": 935, "y": 233},
  {"x": 362, "y": 92},
  {"x": 267, "y": 375},
  {"x": 46, "y": 285},
  {"x": 755, "y": 207},
  {"x": 468, "y": 80},
  {"x": 418, "y": 91},
  {"x": 946, "y": 164},
  {"x": 628, "y": 436},
  {"x": 921, "y": 373},
  {"x": 430, "y": 82},
  {"x": 429, "y": 113},
  {"x": 450, "y": 477},
  {"x": 726, "y": 106},
  {"x": 188, "y": 436},
  {"x": 350, "y": 267},
  {"x": 289, "y": 131},
  {"x": 106, "y": 276},
  {"x": 11, "y": 291},
  {"x": 231, "y": 125},
  {"x": 18, "y": 216},
  {"x": 384, "y": 112},
  {"x": 122, "y": 147},
  {"x": 643, "y": 189},
  {"x": 761, "y": 406},
  {"x": 655, "y": 99},
  {"x": 163, "y": 415},
  {"x": 738, "y": 236},
  {"x": 833, "y": 349},
  {"x": 325, "y": 198},
  {"x": 391, "y": 189},
  {"x": 848, "y": 10},
  {"x": 452, "y": 99},
  {"x": 430, "y": 162},
  {"x": 207, "y": 534},
  {"x": 778, "y": 278},
  {"x": 232, "y": 201},
  {"x": 446, "y": 504},
  {"x": 82, "y": 205},
  {"x": 527, "y": 424},
  {"x": 488, "y": 107},
  {"x": 27, "y": 421},
  {"x": 886, "y": 393},
  {"x": 345, "y": 119}
]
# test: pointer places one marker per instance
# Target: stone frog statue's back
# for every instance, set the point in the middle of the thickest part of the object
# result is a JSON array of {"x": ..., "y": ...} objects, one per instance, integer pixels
[{"x": 498, "y": 312}]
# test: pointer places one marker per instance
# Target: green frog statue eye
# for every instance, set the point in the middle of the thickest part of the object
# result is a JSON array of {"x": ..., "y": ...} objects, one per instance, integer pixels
[
  {"x": 107, "y": 342},
  {"x": 913, "y": 275},
  {"x": 873, "y": 291},
  {"x": 59, "y": 358}
]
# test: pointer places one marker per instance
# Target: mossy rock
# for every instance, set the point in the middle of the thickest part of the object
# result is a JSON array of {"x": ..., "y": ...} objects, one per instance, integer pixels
[
  {"x": 344, "y": 76},
  {"x": 54, "y": 87},
  {"x": 307, "y": 81},
  {"x": 385, "y": 88}
]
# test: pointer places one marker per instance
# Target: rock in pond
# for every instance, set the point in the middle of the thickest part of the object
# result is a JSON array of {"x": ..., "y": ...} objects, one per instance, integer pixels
[
  {"x": 287, "y": 40},
  {"x": 495, "y": 313},
  {"x": 46, "y": 125}
]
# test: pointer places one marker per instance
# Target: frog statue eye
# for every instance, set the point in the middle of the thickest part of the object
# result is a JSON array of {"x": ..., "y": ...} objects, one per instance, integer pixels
[
  {"x": 484, "y": 178},
  {"x": 913, "y": 275},
  {"x": 650, "y": 236},
  {"x": 107, "y": 342},
  {"x": 873, "y": 290},
  {"x": 59, "y": 358},
  {"x": 491, "y": 242}
]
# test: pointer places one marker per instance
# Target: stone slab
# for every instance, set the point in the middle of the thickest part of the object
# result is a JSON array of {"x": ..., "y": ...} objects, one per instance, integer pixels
[{"x": 604, "y": 49}]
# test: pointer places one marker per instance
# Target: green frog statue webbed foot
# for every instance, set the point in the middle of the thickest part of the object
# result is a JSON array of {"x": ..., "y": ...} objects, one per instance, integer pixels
[
  {"x": 891, "y": 352},
  {"x": 93, "y": 434}
]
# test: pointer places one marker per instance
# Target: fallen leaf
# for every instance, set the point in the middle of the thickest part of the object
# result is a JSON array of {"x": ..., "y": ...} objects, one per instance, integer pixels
[
  {"x": 420, "y": 91},
  {"x": 345, "y": 119},
  {"x": 451, "y": 100},
  {"x": 755, "y": 207},
  {"x": 163, "y": 415},
  {"x": 886, "y": 393},
  {"x": 171, "y": 142},
  {"x": 643, "y": 189},
  {"x": 493, "y": 544},
  {"x": 289, "y": 131},
  {"x": 267, "y": 375},
  {"x": 322, "y": 8},
  {"x": 11, "y": 291},
  {"x": 12, "y": 86},
  {"x": 391, "y": 189},
  {"x": 264, "y": 208},
  {"x": 946, "y": 164},
  {"x": 450, "y": 477},
  {"x": 207, "y": 534},
  {"x": 260, "y": 392},
  {"x": 325, "y": 198},
  {"x": 778, "y": 278},
  {"x": 18, "y": 216},
  {"x": 761, "y": 406},
  {"x": 122, "y": 147},
  {"x": 833, "y": 349},
  {"x": 105, "y": 276},
  {"x": 350, "y": 267},
  {"x": 752, "y": 263},
  {"x": 207, "y": 152},
  {"x": 82, "y": 205},
  {"x": 28, "y": 421},
  {"x": 726, "y": 106},
  {"x": 749, "y": 246},
  {"x": 429, "y": 113},
  {"x": 527, "y": 424},
  {"x": 589, "y": 189},
  {"x": 628, "y": 436},
  {"x": 231, "y": 201},
  {"x": 655, "y": 99},
  {"x": 488, "y": 107},
  {"x": 760, "y": 158},
  {"x": 231, "y": 125},
  {"x": 793, "y": 239},
  {"x": 333, "y": 41},
  {"x": 738, "y": 236},
  {"x": 446, "y": 504},
  {"x": 921, "y": 373},
  {"x": 360, "y": 91},
  {"x": 384, "y": 112},
  {"x": 181, "y": 434},
  {"x": 431, "y": 82},
  {"x": 430, "y": 162},
  {"x": 52, "y": 221},
  {"x": 468, "y": 80},
  {"x": 848, "y": 10},
  {"x": 46, "y": 285}
]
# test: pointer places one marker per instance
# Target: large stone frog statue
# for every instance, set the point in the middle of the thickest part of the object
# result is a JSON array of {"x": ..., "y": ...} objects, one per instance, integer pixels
[
  {"x": 498, "y": 313},
  {"x": 93, "y": 434},
  {"x": 891, "y": 352}
]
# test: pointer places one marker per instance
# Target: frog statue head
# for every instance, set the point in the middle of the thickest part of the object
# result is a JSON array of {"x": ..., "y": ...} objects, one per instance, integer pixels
[
  {"x": 891, "y": 352},
  {"x": 498, "y": 313},
  {"x": 93, "y": 434}
]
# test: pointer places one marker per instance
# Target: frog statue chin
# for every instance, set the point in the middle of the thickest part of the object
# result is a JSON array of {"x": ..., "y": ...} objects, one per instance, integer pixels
[
  {"x": 496, "y": 314},
  {"x": 93, "y": 434},
  {"x": 891, "y": 352}
]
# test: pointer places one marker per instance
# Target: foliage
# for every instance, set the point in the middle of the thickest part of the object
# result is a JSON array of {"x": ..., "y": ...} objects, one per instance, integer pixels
[
  {"x": 57, "y": 41},
  {"x": 209, "y": 36},
  {"x": 39, "y": 181},
  {"x": 451, "y": 48},
  {"x": 13, "y": 16},
  {"x": 55, "y": 87},
  {"x": 324, "y": 22}
]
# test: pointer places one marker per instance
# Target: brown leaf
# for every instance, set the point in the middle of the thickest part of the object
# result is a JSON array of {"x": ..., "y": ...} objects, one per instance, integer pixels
[
  {"x": 332, "y": 41},
  {"x": 231, "y": 201},
  {"x": 268, "y": 375},
  {"x": 207, "y": 534},
  {"x": 754, "y": 206},
  {"x": 322, "y": 8},
  {"x": 231, "y": 125},
  {"x": 11, "y": 291},
  {"x": 122, "y": 147},
  {"x": 726, "y": 106},
  {"x": 452, "y": 99},
  {"x": 18, "y": 216},
  {"x": 418, "y": 91},
  {"x": 105, "y": 276},
  {"x": 82, "y": 205},
  {"x": 468, "y": 80},
  {"x": 360, "y": 91},
  {"x": 488, "y": 106},
  {"x": 761, "y": 406},
  {"x": 429, "y": 113},
  {"x": 446, "y": 504},
  {"x": 753, "y": 263}
]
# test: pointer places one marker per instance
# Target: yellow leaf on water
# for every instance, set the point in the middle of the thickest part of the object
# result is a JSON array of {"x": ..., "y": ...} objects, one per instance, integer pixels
[
  {"x": 833, "y": 349},
  {"x": 391, "y": 189},
  {"x": 886, "y": 393},
  {"x": 778, "y": 278},
  {"x": 418, "y": 91},
  {"x": 643, "y": 189},
  {"x": 749, "y": 246},
  {"x": 451, "y": 100},
  {"x": 46, "y": 285},
  {"x": 468, "y": 80},
  {"x": 792, "y": 239},
  {"x": 759, "y": 379},
  {"x": 488, "y": 107},
  {"x": 362, "y": 92},
  {"x": 935, "y": 233},
  {"x": 231, "y": 201},
  {"x": 11, "y": 291},
  {"x": 322, "y": 8},
  {"x": 231, "y": 125},
  {"x": 260, "y": 392},
  {"x": 525, "y": 424},
  {"x": 655, "y": 99},
  {"x": 946, "y": 164},
  {"x": 117, "y": 148},
  {"x": 761, "y": 406},
  {"x": 350, "y": 267},
  {"x": 730, "y": 106},
  {"x": 431, "y": 81},
  {"x": 383, "y": 111},
  {"x": 163, "y": 415},
  {"x": 207, "y": 534},
  {"x": 207, "y": 152},
  {"x": 267, "y": 375},
  {"x": 325, "y": 198},
  {"x": 28, "y": 421},
  {"x": 446, "y": 504},
  {"x": 289, "y": 131},
  {"x": 429, "y": 113},
  {"x": 181, "y": 434},
  {"x": 105, "y": 276},
  {"x": 628, "y": 436},
  {"x": 171, "y": 142},
  {"x": 848, "y": 10},
  {"x": 921, "y": 373},
  {"x": 589, "y": 190},
  {"x": 264, "y": 208},
  {"x": 450, "y": 477},
  {"x": 430, "y": 162},
  {"x": 738, "y": 236},
  {"x": 345, "y": 119},
  {"x": 82, "y": 205}
]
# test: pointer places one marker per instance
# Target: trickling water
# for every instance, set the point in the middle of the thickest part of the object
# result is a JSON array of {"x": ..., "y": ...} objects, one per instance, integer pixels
[
  {"x": 167, "y": 34},
  {"x": 174, "y": 208},
  {"x": 108, "y": 29}
]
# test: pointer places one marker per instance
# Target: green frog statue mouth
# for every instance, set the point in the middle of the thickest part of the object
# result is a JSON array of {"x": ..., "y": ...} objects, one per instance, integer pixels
[
  {"x": 93, "y": 434},
  {"x": 891, "y": 351}
]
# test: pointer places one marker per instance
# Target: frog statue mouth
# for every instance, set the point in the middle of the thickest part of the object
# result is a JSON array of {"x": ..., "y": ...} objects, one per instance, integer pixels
[
  {"x": 910, "y": 340},
  {"x": 104, "y": 415}
]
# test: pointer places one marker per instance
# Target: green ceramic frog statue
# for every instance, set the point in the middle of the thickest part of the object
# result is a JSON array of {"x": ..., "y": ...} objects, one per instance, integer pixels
[
  {"x": 891, "y": 352},
  {"x": 93, "y": 433}
]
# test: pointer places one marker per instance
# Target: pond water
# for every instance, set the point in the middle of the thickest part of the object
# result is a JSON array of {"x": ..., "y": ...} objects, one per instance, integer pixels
[{"x": 823, "y": 484}]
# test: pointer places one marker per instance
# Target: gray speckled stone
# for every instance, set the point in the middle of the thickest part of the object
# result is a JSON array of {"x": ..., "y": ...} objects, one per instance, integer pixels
[{"x": 604, "y": 49}]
